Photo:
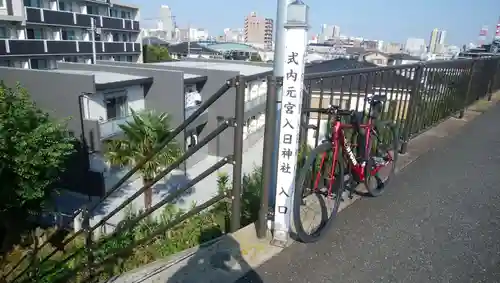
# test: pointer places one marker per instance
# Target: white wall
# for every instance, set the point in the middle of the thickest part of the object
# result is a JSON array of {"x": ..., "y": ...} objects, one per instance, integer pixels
[{"x": 255, "y": 93}]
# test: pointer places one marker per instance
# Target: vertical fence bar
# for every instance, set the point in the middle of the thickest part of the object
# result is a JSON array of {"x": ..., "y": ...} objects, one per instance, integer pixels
[
  {"x": 320, "y": 105},
  {"x": 88, "y": 241},
  {"x": 267, "y": 159},
  {"x": 239, "y": 112},
  {"x": 493, "y": 80},
  {"x": 467, "y": 93},
  {"x": 35, "y": 260},
  {"x": 412, "y": 107}
]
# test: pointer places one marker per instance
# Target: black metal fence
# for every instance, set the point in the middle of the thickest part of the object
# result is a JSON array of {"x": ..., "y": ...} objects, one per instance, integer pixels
[{"x": 418, "y": 97}]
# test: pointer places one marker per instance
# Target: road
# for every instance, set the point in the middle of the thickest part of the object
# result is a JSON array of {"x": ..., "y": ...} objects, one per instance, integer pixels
[{"x": 439, "y": 221}]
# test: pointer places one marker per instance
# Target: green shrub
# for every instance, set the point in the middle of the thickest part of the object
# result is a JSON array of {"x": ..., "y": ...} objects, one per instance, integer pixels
[{"x": 202, "y": 227}]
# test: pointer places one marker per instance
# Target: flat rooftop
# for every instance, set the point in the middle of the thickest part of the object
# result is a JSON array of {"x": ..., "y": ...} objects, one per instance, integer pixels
[
  {"x": 105, "y": 80},
  {"x": 245, "y": 70}
]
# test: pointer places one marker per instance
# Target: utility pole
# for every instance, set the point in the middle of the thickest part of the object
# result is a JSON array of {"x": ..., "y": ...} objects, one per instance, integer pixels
[{"x": 92, "y": 38}]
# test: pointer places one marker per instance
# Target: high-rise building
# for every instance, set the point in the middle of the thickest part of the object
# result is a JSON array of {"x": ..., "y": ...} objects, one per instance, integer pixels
[
  {"x": 441, "y": 37},
  {"x": 336, "y": 31},
  {"x": 437, "y": 40},
  {"x": 415, "y": 46},
  {"x": 234, "y": 35},
  {"x": 37, "y": 34},
  {"x": 329, "y": 32},
  {"x": 167, "y": 22},
  {"x": 391, "y": 47},
  {"x": 497, "y": 30},
  {"x": 258, "y": 30},
  {"x": 433, "y": 40}
]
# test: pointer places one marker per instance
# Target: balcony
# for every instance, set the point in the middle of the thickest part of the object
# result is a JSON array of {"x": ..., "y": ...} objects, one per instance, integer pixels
[
  {"x": 59, "y": 47},
  {"x": 111, "y": 127},
  {"x": 24, "y": 47},
  {"x": 65, "y": 18}
]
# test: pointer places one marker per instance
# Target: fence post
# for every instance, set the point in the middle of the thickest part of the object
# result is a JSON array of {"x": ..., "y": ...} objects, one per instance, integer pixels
[
  {"x": 493, "y": 81},
  {"x": 239, "y": 112},
  {"x": 88, "y": 241},
  {"x": 267, "y": 158},
  {"x": 467, "y": 93},
  {"x": 35, "y": 260},
  {"x": 412, "y": 105}
]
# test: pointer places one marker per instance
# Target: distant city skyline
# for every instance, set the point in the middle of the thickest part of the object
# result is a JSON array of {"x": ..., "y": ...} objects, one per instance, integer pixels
[{"x": 389, "y": 21}]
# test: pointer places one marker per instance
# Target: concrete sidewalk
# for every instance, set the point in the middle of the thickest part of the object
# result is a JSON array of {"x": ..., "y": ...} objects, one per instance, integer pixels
[{"x": 438, "y": 222}]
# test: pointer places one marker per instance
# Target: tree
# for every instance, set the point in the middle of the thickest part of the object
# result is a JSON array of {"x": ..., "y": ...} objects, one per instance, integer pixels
[
  {"x": 33, "y": 154},
  {"x": 141, "y": 135},
  {"x": 154, "y": 53}
]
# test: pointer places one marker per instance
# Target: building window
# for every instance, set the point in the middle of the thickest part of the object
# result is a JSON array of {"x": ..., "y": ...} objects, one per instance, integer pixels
[
  {"x": 6, "y": 63},
  {"x": 2, "y": 4},
  {"x": 39, "y": 64},
  {"x": 91, "y": 10},
  {"x": 125, "y": 37},
  {"x": 33, "y": 3},
  {"x": 64, "y": 6},
  {"x": 116, "y": 107},
  {"x": 35, "y": 33},
  {"x": 4, "y": 32},
  {"x": 129, "y": 58},
  {"x": 116, "y": 37},
  {"x": 71, "y": 59},
  {"x": 113, "y": 13},
  {"x": 68, "y": 35}
]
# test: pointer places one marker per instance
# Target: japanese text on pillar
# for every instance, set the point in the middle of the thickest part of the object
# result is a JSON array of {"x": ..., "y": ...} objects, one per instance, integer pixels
[{"x": 290, "y": 123}]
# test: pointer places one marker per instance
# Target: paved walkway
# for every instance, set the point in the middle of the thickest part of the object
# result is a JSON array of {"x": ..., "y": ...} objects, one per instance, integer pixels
[{"x": 438, "y": 222}]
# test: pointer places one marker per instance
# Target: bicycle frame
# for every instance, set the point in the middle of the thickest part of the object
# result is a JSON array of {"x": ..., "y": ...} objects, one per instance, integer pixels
[{"x": 338, "y": 139}]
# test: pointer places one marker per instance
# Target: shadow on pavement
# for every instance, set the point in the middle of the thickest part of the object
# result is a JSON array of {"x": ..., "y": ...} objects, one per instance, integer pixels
[{"x": 220, "y": 262}]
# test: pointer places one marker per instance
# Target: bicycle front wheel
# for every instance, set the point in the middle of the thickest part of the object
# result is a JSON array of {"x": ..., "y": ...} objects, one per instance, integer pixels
[{"x": 320, "y": 183}]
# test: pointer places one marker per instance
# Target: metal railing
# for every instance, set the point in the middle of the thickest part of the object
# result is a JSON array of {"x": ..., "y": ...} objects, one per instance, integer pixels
[
  {"x": 111, "y": 127},
  {"x": 418, "y": 97},
  {"x": 88, "y": 267}
]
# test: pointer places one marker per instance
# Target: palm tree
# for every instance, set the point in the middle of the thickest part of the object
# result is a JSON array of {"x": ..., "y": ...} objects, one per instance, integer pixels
[{"x": 140, "y": 136}]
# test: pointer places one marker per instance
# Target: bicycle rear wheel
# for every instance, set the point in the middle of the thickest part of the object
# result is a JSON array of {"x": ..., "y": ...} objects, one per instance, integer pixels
[
  {"x": 382, "y": 157},
  {"x": 313, "y": 187}
]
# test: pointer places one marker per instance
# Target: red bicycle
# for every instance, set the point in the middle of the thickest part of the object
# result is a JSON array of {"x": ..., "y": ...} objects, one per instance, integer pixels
[{"x": 333, "y": 168}]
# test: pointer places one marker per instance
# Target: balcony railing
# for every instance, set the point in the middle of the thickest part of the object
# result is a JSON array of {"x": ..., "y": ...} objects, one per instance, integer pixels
[
  {"x": 47, "y": 47},
  {"x": 111, "y": 127},
  {"x": 65, "y": 18}
]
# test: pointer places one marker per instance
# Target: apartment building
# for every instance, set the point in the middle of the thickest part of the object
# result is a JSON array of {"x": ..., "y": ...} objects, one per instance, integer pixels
[
  {"x": 258, "y": 30},
  {"x": 37, "y": 34}
]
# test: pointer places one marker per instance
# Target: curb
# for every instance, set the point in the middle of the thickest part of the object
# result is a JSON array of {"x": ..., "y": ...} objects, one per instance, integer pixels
[{"x": 232, "y": 256}]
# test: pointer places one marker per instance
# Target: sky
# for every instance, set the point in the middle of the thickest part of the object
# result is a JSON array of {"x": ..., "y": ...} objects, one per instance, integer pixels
[{"x": 388, "y": 20}]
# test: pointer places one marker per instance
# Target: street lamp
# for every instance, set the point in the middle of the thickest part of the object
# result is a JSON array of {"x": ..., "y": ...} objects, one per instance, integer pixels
[{"x": 297, "y": 15}]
